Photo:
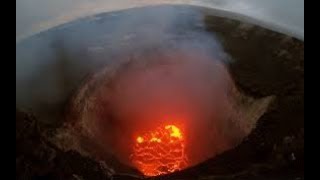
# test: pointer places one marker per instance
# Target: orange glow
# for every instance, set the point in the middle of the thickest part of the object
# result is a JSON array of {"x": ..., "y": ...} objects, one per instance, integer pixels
[
  {"x": 160, "y": 151},
  {"x": 139, "y": 139}
]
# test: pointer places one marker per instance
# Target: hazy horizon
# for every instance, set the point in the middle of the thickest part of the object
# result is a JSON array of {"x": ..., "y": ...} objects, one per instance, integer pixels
[{"x": 33, "y": 16}]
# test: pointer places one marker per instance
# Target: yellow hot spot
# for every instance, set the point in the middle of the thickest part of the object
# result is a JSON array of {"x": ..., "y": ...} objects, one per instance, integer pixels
[{"x": 175, "y": 132}]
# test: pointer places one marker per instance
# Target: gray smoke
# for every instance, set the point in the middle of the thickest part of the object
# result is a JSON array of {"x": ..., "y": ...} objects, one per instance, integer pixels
[
  {"x": 51, "y": 65},
  {"x": 127, "y": 71}
]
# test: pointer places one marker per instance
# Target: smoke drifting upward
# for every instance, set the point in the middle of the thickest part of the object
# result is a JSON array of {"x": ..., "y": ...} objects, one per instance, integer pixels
[
  {"x": 52, "y": 64},
  {"x": 148, "y": 67},
  {"x": 186, "y": 84}
]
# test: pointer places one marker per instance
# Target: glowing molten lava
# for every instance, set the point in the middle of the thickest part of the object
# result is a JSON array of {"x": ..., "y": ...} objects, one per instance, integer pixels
[{"x": 160, "y": 151}]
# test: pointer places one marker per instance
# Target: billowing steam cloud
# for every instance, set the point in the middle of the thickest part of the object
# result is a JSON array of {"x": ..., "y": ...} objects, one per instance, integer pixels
[
  {"x": 51, "y": 65},
  {"x": 147, "y": 66}
]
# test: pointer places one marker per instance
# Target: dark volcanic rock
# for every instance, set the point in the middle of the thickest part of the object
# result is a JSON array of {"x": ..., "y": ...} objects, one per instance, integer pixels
[
  {"x": 37, "y": 158},
  {"x": 265, "y": 63}
]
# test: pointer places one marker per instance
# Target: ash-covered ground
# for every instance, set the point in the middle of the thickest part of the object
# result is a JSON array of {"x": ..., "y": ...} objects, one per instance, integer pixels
[{"x": 265, "y": 63}]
